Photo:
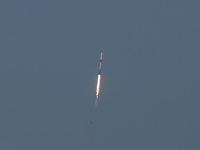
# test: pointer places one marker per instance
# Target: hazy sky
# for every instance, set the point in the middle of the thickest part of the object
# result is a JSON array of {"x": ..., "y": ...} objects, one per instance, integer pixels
[{"x": 150, "y": 88}]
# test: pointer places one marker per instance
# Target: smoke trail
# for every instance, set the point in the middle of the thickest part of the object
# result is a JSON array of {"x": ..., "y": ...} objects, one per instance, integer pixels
[{"x": 96, "y": 101}]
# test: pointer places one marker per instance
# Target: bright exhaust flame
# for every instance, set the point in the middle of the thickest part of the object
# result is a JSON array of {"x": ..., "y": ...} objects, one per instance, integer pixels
[
  {"x": 98, "y": 85},
  {"x": 97, "y": 90}
]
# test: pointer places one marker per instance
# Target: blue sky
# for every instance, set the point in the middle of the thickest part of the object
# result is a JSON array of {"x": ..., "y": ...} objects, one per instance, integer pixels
[{"x": 49, "y": 57}]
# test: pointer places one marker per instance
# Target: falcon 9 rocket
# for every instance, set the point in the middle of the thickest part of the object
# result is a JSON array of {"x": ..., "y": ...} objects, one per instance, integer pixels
[{"x": 98, "y": 81}]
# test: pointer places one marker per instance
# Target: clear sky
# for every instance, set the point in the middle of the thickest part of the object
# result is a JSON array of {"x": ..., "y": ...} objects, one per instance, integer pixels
[{"x": 150, "y": 88}]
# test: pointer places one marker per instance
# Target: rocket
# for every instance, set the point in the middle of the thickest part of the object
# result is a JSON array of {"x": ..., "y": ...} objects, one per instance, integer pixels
[
  {"x": 98, "y": 80},
  {"x": 100, "y": 63}
]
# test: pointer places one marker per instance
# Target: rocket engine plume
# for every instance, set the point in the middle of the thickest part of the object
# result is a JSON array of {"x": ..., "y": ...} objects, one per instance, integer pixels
[
  {"x": 98, "y": 81},
  {"x": 98, "y": 84}
]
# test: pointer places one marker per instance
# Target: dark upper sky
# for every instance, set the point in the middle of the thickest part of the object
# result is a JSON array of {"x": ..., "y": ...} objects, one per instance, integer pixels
[{"x": 150, "y": 88}]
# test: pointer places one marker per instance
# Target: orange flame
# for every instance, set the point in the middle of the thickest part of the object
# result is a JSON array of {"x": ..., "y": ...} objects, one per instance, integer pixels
[{"x": 98, "y": 85}]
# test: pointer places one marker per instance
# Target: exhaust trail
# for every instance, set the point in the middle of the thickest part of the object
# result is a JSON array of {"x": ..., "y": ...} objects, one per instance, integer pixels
[{"x": 98, "y": 81}]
